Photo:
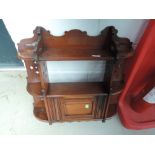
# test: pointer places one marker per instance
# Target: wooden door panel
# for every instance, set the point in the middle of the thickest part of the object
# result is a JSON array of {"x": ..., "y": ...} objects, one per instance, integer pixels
[{"x": 78, "y": 108}]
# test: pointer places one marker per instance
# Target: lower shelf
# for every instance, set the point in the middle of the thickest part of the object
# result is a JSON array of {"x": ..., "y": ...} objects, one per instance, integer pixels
[
  {"x": 78, "y": 88},
  {"x": 41, "y": 115}
]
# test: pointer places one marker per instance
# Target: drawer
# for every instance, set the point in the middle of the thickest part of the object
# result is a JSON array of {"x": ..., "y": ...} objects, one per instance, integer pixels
[{"x": 77, "y": 108}]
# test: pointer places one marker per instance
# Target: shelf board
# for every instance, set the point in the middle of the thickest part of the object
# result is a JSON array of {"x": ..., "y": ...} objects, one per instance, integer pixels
[
  {"x": 60, "y": 54},
  {"x": 75, "y": 45},
  {"x": 77, "y": 88},
  {"x": 81, "y": 54}
]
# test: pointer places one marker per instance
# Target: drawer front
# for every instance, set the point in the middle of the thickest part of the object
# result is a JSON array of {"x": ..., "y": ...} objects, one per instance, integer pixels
[{"x": 78, "y": 108}]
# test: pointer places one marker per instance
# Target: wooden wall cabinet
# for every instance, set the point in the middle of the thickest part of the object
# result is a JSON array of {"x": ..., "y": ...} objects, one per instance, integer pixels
[{"x": 59, "y": 102}]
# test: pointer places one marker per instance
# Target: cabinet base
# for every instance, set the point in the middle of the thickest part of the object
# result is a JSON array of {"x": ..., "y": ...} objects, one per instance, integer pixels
[{"x": 41, "y": 115}]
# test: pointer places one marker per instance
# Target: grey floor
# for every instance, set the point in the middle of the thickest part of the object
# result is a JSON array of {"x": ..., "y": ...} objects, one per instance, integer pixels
[{"x": 16, "y": 115}]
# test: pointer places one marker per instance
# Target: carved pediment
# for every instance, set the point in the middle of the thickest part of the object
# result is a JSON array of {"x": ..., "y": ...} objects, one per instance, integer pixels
[{"x": 74, "y": 43}]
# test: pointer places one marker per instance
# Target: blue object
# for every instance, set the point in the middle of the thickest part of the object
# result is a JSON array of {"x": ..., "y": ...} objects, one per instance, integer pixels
[{"x": 8, "y": 51}]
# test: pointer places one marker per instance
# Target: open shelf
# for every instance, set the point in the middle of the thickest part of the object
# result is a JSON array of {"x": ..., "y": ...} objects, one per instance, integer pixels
[
  {"x": 56, "y": 54},
  {"x": 60, "y": 54},
  {"x": 76, "y": 88},
  {"x": 75, "y": 45}
]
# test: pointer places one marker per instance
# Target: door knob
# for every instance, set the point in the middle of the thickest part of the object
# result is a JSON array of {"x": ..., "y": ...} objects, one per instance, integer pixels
[{"x": 87, "y": 106}]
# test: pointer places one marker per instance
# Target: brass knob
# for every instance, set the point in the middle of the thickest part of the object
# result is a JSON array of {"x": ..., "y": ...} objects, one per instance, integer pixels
[{"x": 87, "y": 106}]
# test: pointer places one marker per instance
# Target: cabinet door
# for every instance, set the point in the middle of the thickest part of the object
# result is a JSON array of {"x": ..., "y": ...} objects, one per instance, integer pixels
[{"x": 78, "y": 108}]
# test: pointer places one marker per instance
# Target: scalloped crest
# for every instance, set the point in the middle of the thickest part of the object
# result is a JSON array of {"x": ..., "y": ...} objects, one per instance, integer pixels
[{"x": 74, "y": 32}]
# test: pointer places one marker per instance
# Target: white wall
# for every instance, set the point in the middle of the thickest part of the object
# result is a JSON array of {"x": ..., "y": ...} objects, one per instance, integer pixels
[
  {"x": 75, "y": 71},
  {"x": 20, "y": 29}
]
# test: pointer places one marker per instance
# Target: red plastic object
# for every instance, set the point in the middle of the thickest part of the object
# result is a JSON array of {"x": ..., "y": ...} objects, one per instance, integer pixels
[{"x": 134, "y": 112}]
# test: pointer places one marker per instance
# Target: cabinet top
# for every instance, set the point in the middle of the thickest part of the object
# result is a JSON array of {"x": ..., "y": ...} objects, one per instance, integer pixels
[{"x": 75, "y": 45}]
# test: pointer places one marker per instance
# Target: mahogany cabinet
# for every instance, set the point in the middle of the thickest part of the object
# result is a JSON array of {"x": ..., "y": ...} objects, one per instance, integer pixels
[{"x": 78, "y": 101}]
